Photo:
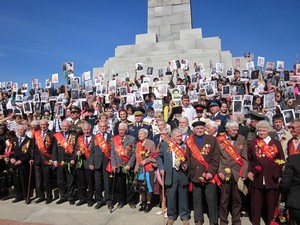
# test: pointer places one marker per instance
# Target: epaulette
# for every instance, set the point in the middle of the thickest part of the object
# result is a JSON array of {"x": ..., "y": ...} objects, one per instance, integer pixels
[
  {"x": 146, "y": 123},
  {"x": 130, "y": 124}
]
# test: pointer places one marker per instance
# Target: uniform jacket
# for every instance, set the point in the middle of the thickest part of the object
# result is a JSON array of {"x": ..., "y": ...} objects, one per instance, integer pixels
[
  {"x": 212, "y": 157},
  {"x": 226, "y": 161},
  {"x": 262, "y": 166},
  {"x": 133, "y": 130},
  {"x": 221, "y": 120}
]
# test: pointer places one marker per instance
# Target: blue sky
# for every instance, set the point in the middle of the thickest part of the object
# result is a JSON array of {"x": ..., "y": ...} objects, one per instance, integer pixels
[{"x": 37, "y": 36}]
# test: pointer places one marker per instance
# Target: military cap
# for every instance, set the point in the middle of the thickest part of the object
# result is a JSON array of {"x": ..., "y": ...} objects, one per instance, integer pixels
[
  {"x": 198, "y": 123},
  {"x": 257, "y": 116},
  {"x": 75, "y": 109}
]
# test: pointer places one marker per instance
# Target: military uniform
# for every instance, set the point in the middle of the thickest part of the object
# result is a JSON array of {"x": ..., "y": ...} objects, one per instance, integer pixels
[{"x": 133, "y": 129}]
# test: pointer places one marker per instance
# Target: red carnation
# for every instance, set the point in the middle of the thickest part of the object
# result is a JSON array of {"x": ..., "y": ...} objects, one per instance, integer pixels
[{"x": 258, "y": 168}]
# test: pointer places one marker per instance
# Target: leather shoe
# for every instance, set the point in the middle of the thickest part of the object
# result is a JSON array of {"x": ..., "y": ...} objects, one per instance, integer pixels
[
  {"x": 110, "y": 206},
  {"x": 48, "y": 201},
  {"x": 120, "y": 205},
  {"x": 132, "y": 206},
  {"x": 148, "y": 208},
  {"x": 17, "y": 200},
  {"x": 60, "y": 201},
  {"x": 39, "y": 200},
  {"x": 90, "y": 203},
  {"x": 99, "y": 205},
  {"x": 143, "y": 207},
  {"x": 81, "y": 202},
  {"x": 72, "y": 202}
]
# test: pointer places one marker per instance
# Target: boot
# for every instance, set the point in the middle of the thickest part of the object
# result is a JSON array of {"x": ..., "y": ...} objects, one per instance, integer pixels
[
  {"x": 170, "y": 222},
  {"x": 186, "y": 222},
  {"x": 143, "y": 207}
]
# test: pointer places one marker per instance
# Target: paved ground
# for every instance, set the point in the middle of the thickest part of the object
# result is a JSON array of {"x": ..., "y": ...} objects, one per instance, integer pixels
[{"x": 64, "y": 214}]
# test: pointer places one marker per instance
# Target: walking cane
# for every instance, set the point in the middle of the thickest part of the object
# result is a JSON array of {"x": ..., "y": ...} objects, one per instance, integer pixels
[
  {"x": 28, "y": 188},
  {"x": 112, "y": 194},
  {"x": 163, "y": 199}
]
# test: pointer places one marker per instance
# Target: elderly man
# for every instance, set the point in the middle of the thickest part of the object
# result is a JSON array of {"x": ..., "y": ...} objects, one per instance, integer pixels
[
  {"x": 203, "y": 157},
  {"x": 42, "y": 158},
  {"x": 100, "y": 163},
  {"x": 172, "y": 164},
  {"x": 84, "y": 174},
  {"x": 266, "y": 158},
  {"x": 63, "y": 149},
  {"x": 293, "y": 144},
  {"x": 211, "y": 128},
  {"x": 184, "y": 127},
  {"x": 233, "y": 166},
  {"x": 122, "y": 162},
  {"x": 19, "y": 161}
]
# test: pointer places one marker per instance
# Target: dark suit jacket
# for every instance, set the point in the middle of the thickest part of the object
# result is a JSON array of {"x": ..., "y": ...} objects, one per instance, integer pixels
[
  {"x": 86, "y": 161},
  {"x": 223, "y": 120},
  {"x": 290, "y": 183},
  {"x": 226, "y": 161},
  {"x": 268, "y": 169},
  {"x": 115, "y": 158},
  {"x": 288, "y": 144},
  {"x": 22, "y": 152},
  {"x": 97, "y": 156},
  {"x": 156, "y": 139},
  {"x": 38, "y": 157},
  {"x": 165, "y": 162},
  {"x": 196, "y": 169},
  {"x": 59, "y": 154},
  {"x": 133, "y": 130}
]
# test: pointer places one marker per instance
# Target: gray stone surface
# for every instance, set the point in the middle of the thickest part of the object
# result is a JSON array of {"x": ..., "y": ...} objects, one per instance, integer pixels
[{"x": 65, "y": 215}]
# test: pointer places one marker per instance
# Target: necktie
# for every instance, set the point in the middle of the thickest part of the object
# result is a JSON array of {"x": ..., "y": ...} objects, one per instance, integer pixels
[
  {"x": 44, "y": 134},
  {"x": 137, "y": 124},
  {"x": 66, "y": 135},
  {"x": 20, "y": 141},
  {"x": 86, "y": 141}
]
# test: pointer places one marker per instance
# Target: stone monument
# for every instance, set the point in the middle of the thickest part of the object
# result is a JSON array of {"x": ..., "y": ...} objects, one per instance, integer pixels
[{"x": 170, "y": 37}]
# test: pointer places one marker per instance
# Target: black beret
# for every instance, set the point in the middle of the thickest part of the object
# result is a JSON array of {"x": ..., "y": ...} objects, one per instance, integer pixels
[{"x": 198, "y": 123}]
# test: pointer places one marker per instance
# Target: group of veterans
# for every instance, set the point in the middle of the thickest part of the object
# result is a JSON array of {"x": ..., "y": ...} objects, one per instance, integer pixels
[{"x": 199, "y": 158}]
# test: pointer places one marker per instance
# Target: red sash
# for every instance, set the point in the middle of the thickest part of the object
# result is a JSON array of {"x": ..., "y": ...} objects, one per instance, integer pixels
[
  {"x": 40, "y": 143},
  {"x": 120, "y": 149},
  {"x": 64, "y": 143},
  {"x": 141, "y": 154},
  {"x": 180, "y": 154},
  {"x": 291, "y": 149},
  {"x": 228, "y": 147},
  {"x": 83, "y": 148},
  {"x": 199, "y": 157},
  {"x": 269, "y": 151},
  {"x": 99, "y": 140}
]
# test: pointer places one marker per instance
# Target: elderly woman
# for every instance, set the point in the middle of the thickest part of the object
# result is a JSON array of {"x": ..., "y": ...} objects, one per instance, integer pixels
[
  {"x": 145, "y": 156},
  {"x": 265, "y": 158}
]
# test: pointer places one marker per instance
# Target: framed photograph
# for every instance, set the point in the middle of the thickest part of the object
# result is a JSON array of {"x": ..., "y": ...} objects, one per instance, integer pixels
[
  {"x": 219, "y": 68},
  {"x": 248, "y": 99},
  {"x": 269, "y": 102},
  {"x": 246, "y": 109},
  {"x": 213, "y": 71},
  {"x": 150, "y": 71},
  {"x": 8, "y": 85},
  {"x": 297, "y": 69},
  {"x": 112, "y": 86},
  {"x": 38, "y": 107},
  {"x": 69, "y": 78},
  {"x": 175, "y": 94},
  {"x": 162, "y": 89},
  {"x": 182, "y": 89},
  {"x": 168, "y": 71},
  {"x": 48, "y": 83},
  {"x": 237, "y": 98},
  {"x": 229, "y": 71},
  {"x": 250, "y": 66},
  {"x": 27, "y": 108},
  {"x": 146, "y": 80},
  {"x": 286, "y": 76},
  {"x": 52, "y": 98},
  {"x": 89, "y": 86},
  {"x": 139, "y": 67},
  {"x": 17, "y": 110},
  {"x": 225, "y": 90},
  {"x": 60, "y": 98},
  {"x": 98, "y": 90},
  {"x": 269, "y": 67},
  {"x": 245, "y": 74},
  {"x": 60, "y": 110},
  {"x": 78, "y": 80},
  {"x": 194, "y": 77},
  {"x": 67, "y": 68},
  {"x": 36, "y": 98},
  {"x": 130, "y": 98},
  {"x": 104, "y": 89},
  {"x": 237, "y": 106},
  {"x": 34, "y": 83},
  {"x": 157, "y": 105},
  {"x": 74, "y": 94},
  {"x": 288, "y": 116},
  {"x": 15, "y": 87},
  {"x": 193, "y": 96},
  {"x": 54, "y": 78},
  {"x": 289, "y": 93},
  {"x": 44, "y": 96},
  {"x": 74, "y": 84},
  {"x": 160, "y": 72},
  {"x": 184, "y": 64},
  {"x": 98, "y": 80},
  {"x": 172, "y": 65},
  {"x": 138, "y": 96},
  {"x": 254, "y": 74},
  {"x": 123, "y": 91},
  {"x": 260, "y": 61},
  {"x": 209, "y": 90},
  {"x": 82, "y": 102},
  {"x": 24, "y": 88},
  {"x": 47, "y": 107},
  {"x": 280, "y": 66},
  {"x": 86, "y": 76},
  {"x": 145, "y": 88},
  {"x": 19, "y": 98}
]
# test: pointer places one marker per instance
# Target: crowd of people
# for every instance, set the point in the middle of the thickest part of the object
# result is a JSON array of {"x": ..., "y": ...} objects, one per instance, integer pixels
[{"x": 224, "y": 152}]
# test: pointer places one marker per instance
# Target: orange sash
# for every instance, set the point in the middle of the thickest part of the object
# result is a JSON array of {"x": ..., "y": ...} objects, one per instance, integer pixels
[
  {"x": 180, "y": 154},
  {"x": 64, "y": 143},
  {"x": 40, "y": 143},
  {"x": 291, "y": 149},
  {"x": 99, "y": 140},
  {"x": 140, "y": 151},
  {"x": 269, "y": 151},
  {"x": 228, "y": 147},
  {"x": 83, "y": 148},
  {"x": 199, "y": 157},
  {"x": 120, "y": 149}
]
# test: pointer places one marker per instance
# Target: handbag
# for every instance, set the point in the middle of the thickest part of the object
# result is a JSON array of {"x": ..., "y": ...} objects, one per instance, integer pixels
[{"x": 141, "y": 185}]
